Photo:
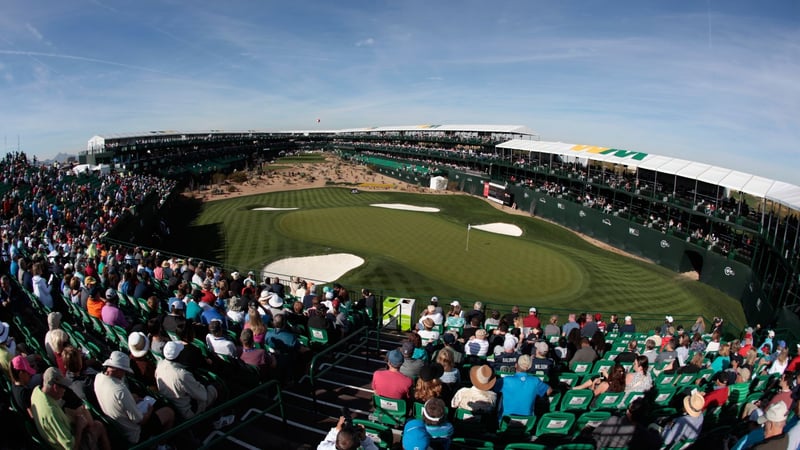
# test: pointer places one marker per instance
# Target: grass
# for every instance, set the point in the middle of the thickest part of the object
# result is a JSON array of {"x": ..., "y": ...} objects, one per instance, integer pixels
[{"x": 417, "y": 254}]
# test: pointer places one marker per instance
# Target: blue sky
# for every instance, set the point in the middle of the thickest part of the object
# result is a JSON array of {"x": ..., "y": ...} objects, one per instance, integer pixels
[{"x": 712, "y": 81}]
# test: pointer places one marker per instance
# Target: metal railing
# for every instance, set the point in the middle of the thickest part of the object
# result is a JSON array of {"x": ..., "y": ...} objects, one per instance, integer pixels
[
  {"x": 316, "y": 370},
  {"x": 246, "y": 420}
]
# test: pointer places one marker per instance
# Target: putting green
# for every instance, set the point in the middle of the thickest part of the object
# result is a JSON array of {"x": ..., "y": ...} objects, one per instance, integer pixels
[
  {"x": 419, "y": 254},
  {"x": 438, "y": 248}
]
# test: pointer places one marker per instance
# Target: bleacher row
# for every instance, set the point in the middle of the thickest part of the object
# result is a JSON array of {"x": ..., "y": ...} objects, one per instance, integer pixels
[
  {"x": 565, "y": 420},
  {"x": 98, "y": 339}
]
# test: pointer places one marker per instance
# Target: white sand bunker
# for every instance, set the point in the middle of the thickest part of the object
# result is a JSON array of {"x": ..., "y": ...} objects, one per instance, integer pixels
[
  {"x": 405, "y": 207},
  {"x": 267, "y": 208},
  {"x": 500, "y": 228},
  {"x": 323, "y": 268}
]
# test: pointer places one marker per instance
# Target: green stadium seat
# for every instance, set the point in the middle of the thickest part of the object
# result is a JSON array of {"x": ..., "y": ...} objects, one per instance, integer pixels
[
  {"x": 516, "y": 426},
  {"x": 390, "y": 411},
  {"x": 380, "y": 434},
  {"x": 555, "y": 423},
  {"x": 608, "y": 401},
  {"x": 577, "y": 400},
  {"x": 590, "y": 419}
]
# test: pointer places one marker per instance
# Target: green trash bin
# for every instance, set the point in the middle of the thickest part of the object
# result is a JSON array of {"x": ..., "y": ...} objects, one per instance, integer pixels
[{"x": 399, "y": 313}]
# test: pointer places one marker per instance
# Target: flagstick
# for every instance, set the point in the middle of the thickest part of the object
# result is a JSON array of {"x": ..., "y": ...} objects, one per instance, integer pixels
[{"x": 469, "y": 227}]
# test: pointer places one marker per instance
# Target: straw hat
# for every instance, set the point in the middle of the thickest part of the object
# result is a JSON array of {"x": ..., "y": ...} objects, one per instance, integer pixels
[
  {"x": 482, "y": 377},
  {"x": 693, "y": 404}
]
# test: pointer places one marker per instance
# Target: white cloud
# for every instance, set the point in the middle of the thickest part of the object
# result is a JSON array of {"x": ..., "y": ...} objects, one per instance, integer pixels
[{"x": 368, "y": 42}]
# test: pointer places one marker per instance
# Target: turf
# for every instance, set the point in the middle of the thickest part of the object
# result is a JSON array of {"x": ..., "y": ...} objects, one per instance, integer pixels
[{"x": 418, "y": 254}]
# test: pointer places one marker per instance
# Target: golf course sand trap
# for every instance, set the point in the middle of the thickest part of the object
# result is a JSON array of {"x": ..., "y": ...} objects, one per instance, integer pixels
[
  {"x": 323, "y": 268},
  {"x": 267, "y": 208},
  {"x": 500, "y": 228},
  {"x": 405, "y": 207}
]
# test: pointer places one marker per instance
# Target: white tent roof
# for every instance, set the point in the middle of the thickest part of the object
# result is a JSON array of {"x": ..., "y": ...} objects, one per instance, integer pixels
[{"x": 777, "y": 191}]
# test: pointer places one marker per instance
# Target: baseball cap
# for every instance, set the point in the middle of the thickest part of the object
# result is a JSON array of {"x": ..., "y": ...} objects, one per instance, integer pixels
[
  {"x": 775, "y": 413},
  {"x": 395, "y": 358},
  {"x": 21, "y": 363},
  {"x": 532, "y": 309},
  {"x": 52, "y": 377},
  {"x": 407, "y": 349},
  {"x": 455, "y": 303}
]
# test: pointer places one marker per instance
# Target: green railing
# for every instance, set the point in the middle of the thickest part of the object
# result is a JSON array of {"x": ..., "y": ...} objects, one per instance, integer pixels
[{"x": 224, "y": 407}]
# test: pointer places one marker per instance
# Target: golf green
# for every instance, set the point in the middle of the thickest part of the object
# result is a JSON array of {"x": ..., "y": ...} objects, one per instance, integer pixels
[{"x": 420, "y": 254}]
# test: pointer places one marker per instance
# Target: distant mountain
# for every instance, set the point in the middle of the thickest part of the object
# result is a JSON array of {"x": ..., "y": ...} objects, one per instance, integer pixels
[{"x": 61, "y": 158}]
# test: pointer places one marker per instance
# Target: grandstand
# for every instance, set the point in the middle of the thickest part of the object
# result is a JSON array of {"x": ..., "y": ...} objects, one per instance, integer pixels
[{"x": 738, "y": 232}]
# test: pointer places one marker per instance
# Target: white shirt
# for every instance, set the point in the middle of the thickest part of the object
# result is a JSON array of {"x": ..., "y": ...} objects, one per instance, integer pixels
[
  {"x": 180, "y": 386},
  {"x": 117, "y": 402},
  {"x": 220, "y": 345}
]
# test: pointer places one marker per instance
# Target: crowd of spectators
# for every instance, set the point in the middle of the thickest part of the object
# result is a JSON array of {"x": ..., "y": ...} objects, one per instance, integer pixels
[{"x": 515, "y": 365}]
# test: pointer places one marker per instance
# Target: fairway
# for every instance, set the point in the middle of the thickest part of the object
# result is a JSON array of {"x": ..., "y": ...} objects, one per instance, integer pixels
[{"x": 420, "y": 254}]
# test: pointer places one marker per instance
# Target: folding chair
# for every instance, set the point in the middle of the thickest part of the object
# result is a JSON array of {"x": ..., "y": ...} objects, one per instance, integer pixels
[
  {"x": 590, "y": 419},
  {"x": 581, "y": 368}
]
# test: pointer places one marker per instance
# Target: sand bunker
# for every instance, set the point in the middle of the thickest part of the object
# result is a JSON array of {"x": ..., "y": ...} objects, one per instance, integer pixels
[
  {"x": 405, "y": 207},
  {"x": 323, "y": 268},
  {"x": 500, "y": 228},
  {"x": 267, "y": 208}
]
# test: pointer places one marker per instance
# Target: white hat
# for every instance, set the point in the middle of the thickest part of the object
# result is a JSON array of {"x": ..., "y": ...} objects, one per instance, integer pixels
[
  {"x": 775, "y": 413},
  {"x": 119, "y": 360},
  {"x": 532, "y": 309},
  {"x": 138, "y": 344},
  {"x": 455, "y": 303},
  {"x": 771, "y": 333},
  {"x": 329, "y": 295},
  {"x": 434, "y": 299},
  {"x": 172, "y": 349},
  {"x": 628, "y": 318},
  {"x": 4, "y": 329},
  {"x": 668, "y": 319},
  {"x": 265, "y": 295},
  {"x": 275, "y": 300}
]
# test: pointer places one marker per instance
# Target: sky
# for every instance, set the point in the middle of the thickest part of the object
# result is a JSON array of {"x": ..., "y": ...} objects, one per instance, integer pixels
[{"x": 711, "y": 81}]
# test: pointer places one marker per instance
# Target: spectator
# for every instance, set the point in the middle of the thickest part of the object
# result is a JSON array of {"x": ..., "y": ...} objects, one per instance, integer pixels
[
  {"x": 699, "y": 326},
  {"x": 180, "y": 386},
  {"x": 477, "y": 345},
  {"x": 605, "y": 382},
  {"x": 390, "y": 382},
  {"x": 589, "y": 327},
  {"x": 430, "y": 313},
  {"x": 451, "y": 376},
  {"x": 521, "y": 390},
  {"x": 774, "y": 421},
  {"x": 21, "y": 376},
  {"x": 435, "y": 418},
  {"x": 532, "y": 319},
  {"x": 628, "y": 326},
  {"x": 217, "y": 341},
  {"x": 143, "y": 364},
  {"x": 415, "y": 435},
  {"x": 110, "y": 313},
  {"x": 719, "y": 392},
  {"x": 506, "y": 361},
  {"x": 723, "y": 359},
  {"x": 255, "y": 323},
  {"x": 570, "y": 325},
  {"x": 585, "y": 354},
  {"x": 455, "y": 317},
  {"x": 346, "y": 437},
  {"x": 41, "y": 287},
  {"x": 477, "y": 311},
  {"x": 687, "y": 426},
  {"x": 53, "y": 323},
  {"x": 639, "y": 380},
  {"x": 138, "y": 421},
  {"x": 54, "y": 425},
  {"x": 428, "y": 384},
  {"x": 552, "y": 328},
  {"x": 479, "y": 398},
  {"x": 257, "y": 357},
  {"x": 411, "y": 366},
  {"x": 427, "y": 334}
]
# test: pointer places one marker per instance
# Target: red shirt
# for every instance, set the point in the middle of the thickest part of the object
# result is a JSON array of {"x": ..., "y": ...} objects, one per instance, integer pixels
[
  {"x": 717, "y": 397},
  {"x": 531, "y": 321},
  {"x": 391, "y": 384}
]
